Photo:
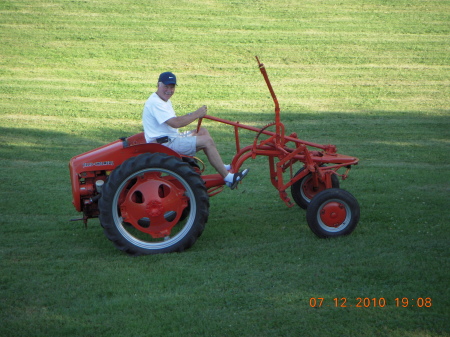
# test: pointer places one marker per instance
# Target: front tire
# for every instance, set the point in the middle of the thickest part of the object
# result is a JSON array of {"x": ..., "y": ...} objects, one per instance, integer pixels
[
  {"x": 333, "y": 212},
  {"x": 153, "y": 203}
]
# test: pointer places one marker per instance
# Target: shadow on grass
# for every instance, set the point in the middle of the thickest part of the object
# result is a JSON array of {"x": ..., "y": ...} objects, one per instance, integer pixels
[
  {"x": 382, "y": 136},
  {"x": 37, "y": 145}
]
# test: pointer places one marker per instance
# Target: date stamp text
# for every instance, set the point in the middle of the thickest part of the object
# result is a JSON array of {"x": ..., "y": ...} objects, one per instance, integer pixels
[{"x": 371, "y": 302}]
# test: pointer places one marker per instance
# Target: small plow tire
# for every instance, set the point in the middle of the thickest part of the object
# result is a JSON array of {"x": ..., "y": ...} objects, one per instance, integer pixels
[
  {"x": 153, "y": 203},
  {"x": 333, "y": 212},
  {"x": 303, "y": 191}
]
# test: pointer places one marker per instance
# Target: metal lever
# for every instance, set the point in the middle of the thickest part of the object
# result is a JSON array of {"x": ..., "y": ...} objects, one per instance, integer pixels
[{"x": 199, "y": 124}]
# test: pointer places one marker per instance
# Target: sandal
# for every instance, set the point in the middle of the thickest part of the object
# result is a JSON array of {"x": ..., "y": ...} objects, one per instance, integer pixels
[{"x": 237, "y": 178}]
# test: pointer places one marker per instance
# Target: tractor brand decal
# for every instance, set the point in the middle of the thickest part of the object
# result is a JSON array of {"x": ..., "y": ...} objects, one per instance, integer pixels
[{"x": 99, "y": 163}]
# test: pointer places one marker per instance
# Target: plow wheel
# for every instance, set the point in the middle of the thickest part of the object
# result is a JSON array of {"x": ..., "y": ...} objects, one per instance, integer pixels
[
  {"x": 333, "y": 212},
  {"x": 153, "y": 203},
  {"x": 303, "y": 190}
]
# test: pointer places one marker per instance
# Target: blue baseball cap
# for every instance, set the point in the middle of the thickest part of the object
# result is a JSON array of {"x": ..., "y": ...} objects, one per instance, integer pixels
[{"x": 167, "y": 78}]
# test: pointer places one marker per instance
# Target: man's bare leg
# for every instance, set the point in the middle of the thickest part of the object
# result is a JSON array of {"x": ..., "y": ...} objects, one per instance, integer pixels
[{"x": 206, "y": 143}]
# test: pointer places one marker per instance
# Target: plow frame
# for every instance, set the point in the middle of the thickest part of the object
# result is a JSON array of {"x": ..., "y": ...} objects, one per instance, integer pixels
[{"x": 282, "y": 157}]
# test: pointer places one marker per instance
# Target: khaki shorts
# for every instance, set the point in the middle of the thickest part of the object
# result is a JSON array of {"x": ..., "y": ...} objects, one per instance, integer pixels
[{"x": 185, "y": 143}]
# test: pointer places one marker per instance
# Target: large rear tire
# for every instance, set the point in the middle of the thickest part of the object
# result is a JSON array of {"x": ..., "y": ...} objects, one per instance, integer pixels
[
  {"x": 333, "y": 212},
  {"x": 153, "y": 203}
]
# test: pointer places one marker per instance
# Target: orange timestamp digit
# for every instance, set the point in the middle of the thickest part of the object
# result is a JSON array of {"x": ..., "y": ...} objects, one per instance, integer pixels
[{"x": 315, "y": 302}]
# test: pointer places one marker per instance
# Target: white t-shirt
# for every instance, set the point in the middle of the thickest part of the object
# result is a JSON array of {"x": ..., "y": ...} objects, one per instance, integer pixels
[{"x": 156, "y": 113}]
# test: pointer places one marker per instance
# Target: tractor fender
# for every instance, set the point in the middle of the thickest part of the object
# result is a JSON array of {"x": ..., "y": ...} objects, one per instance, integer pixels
[{"x": 107, "y": 158}]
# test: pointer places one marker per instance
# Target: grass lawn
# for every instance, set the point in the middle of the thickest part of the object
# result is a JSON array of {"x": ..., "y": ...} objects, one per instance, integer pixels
[{"x": 372, "y": 77}]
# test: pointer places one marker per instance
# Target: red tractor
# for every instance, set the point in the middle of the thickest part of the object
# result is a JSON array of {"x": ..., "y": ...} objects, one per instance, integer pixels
[{"x": 150, "y": 199}]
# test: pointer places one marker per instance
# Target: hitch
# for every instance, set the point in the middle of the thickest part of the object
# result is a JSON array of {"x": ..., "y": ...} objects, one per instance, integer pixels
[{"x": 84, "y": 219}]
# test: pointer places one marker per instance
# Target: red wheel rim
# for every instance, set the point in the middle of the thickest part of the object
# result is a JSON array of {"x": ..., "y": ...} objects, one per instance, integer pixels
[
  {"x": 152, "y": 197},
  {"x": 333, "y": 214},
  {"x": 308, "y": 189}
]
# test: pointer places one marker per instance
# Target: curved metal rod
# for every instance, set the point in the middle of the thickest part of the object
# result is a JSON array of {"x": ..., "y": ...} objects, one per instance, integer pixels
[{"x": 279, "y": 129}]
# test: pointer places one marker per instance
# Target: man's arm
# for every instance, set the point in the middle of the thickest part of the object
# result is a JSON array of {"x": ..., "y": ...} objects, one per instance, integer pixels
[{"x": 181, "y": 121}]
